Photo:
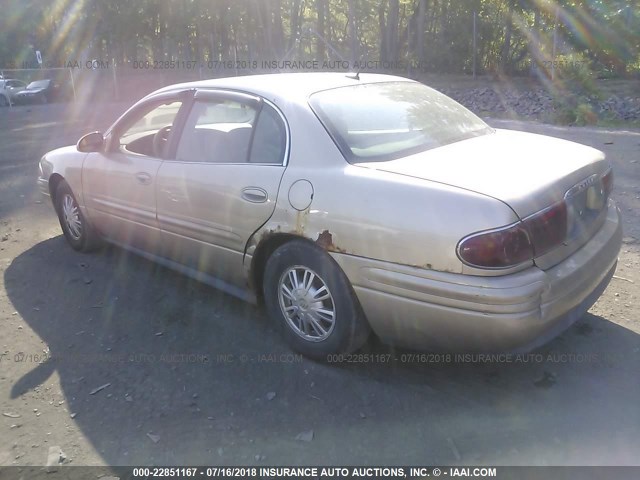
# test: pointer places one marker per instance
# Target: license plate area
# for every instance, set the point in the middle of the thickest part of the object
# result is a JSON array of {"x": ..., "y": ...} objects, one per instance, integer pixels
[{"x": 586, "y": 204}]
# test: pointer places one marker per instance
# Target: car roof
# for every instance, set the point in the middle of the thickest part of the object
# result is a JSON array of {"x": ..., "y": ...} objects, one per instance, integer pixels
[{"x": 287, "y": 85}]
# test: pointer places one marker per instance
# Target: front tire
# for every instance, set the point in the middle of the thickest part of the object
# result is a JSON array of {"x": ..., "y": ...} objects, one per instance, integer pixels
[
  {"x": 312, "y": 302},
  {"x": 78, "y": 232}
]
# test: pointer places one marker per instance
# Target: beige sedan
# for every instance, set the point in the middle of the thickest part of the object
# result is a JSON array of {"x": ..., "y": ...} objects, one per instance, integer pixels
[{"x": 350, "y": 204}]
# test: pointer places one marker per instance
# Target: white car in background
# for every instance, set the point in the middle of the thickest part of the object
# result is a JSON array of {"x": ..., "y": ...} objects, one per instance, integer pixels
[{"x": 9, "y": 88}]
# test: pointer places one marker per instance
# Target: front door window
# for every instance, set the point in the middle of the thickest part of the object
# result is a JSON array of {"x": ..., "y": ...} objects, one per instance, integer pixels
[{"x": 148, "y": 134}]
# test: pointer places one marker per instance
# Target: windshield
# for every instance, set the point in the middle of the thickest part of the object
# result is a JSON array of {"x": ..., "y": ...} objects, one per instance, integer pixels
[
  {"x": 384, "y": 121},
  {"x": 39, "y": 84}
]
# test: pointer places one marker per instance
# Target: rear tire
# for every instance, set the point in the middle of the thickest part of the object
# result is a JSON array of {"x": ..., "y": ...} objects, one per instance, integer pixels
[
  {"x": 312, "y": 302},
  {"x": 78, "y": 232}
]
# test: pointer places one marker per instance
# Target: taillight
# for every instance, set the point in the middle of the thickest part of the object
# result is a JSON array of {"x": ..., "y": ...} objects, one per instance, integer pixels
[
  {"x": 548, "y": 228},
  {"x": 515, "y": 244},
  {"x": 497, "y": 248}
]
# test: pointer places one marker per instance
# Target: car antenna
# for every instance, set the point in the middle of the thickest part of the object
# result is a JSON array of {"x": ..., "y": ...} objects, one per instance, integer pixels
[{"x": 356, "y": 76}]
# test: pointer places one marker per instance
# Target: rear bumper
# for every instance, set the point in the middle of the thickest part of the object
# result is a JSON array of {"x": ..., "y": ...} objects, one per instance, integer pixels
[{"x": 431, "y": 310}]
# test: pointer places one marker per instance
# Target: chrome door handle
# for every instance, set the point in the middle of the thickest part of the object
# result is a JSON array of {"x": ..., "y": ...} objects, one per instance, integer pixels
[
  {"x": 143, "y": 177},
  {"x": 254, "y": 195}
]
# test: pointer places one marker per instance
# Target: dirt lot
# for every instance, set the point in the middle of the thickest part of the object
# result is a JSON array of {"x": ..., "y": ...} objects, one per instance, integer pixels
[{"x": 192, "y": 376}]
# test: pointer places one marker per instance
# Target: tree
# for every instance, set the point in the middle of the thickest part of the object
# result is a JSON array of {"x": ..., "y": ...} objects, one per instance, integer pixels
[
  {"x": 320, "y": 28},
  {"x": 511, "y": 34}
]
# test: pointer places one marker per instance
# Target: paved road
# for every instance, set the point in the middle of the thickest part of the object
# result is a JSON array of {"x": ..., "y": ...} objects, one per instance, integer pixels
[{"x": 192, "y": 376}]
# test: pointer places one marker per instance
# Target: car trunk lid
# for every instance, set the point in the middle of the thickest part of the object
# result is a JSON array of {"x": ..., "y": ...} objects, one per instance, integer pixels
[{"x": 528, "y": 172}]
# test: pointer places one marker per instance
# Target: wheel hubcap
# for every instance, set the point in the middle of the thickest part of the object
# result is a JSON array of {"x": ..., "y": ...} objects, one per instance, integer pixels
[
  {"x": 71, "y": 216},
  {"x": 307, "y": 304}
]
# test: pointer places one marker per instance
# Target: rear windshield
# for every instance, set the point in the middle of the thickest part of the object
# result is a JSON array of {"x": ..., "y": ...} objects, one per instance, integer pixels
[
  {"x": 39, "y": 84},
  {"x": 385, "y": 121}
]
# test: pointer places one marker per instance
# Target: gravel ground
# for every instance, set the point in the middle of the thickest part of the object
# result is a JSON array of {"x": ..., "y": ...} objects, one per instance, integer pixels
[{"x": 115, "y": 361}]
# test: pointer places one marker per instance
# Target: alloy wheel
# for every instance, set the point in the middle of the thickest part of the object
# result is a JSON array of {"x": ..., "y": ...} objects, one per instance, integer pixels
[{"x": 306, "y": 303}]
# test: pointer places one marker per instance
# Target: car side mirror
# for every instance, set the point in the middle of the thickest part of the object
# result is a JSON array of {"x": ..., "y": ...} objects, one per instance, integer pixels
[{"x": 91, "y": 142}]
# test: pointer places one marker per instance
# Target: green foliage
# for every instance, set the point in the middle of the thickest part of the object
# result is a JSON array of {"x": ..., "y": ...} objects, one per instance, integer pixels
[
  {"x": 562, "y": 115},
  {"x": 574, "y": 76},
  {"x": 574, "y": 90},
  {"x": 585, "y": 115}
]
